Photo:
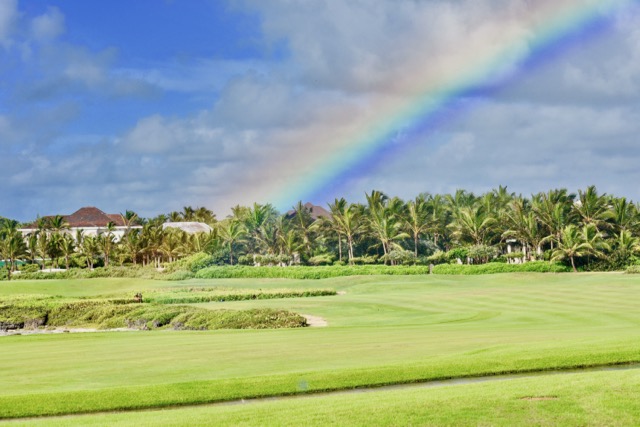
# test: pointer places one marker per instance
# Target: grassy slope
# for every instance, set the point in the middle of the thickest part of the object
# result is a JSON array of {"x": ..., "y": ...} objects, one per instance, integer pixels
[
  {"x": 589, "y": 399},
  {"x": 384, "y": 329}
]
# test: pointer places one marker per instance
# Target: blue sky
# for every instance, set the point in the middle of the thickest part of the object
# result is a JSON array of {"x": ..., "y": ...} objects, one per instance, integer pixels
[{"x": 152, "y": 105}]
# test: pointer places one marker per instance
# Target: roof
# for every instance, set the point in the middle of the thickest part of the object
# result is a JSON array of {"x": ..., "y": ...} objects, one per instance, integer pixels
[
  {"x": 92, "y": 217},
  {"x": 88, "y": 217},
  {"x": 315, "y": 211},
  {"x": 189, "y": 227}
]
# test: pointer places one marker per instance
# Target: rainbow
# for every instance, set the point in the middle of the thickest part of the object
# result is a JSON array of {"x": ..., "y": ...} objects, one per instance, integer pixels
[{"x": 555, "y": 28}]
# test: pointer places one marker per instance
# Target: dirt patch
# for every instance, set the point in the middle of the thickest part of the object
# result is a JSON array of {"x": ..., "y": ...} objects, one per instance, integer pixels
[
  {"x": 341, "y": 292},
  {"x": 315, "y": 321},
  {"x": 538, "y": 398}
]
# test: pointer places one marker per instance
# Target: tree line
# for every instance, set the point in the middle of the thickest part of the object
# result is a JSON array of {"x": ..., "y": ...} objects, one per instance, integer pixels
[{"x": 586, "y": 230}]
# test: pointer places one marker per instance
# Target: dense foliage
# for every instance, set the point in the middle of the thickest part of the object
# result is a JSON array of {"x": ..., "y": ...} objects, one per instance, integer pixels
[{"x": 587, "y": 230}]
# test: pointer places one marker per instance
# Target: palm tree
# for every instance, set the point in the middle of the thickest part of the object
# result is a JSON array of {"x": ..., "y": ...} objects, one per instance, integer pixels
[
  {"x": 57, "y": 224},
  {"x": 131, "y": 244},
  {"x": 202, "y": 214},
  {"x": 232, "y": 232},
  {"x": 622, "y": 215},
  {"x": 437, "y": 218},
  {"x": 384, "y": 222},
  {"x": 129, "y": 218},
  {"x": 12, "y": 247},
  {"x": 106, "y": 240},
  {"x": 347, "y": 222},
  {"x": 524, "y": 226},
  {"x": 591, "y": 208},
  {"x": 303, "y": 221},
  {"x": 474, "y": 224},
  {"x": 416, "y": 219},
  {"x": 67, "y": 247},
  {"x": 89, "y": 249},
  {"x": 575, "y": 243}
]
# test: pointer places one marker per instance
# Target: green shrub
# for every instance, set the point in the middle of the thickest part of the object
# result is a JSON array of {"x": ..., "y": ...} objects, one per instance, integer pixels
[
  {"x": 401, "y": 256},
  {"x": 192, "y": 263},
  {"x": 29, "y": 268},
  {"x": 633, "y": 269},
  {"x": 494, "y": 267},
  {"x": 438, "y": 257},
  {"x": 365, "y": 260},
  {"x": 300, "y": 272},
  {"x": 210, "y": 294},
  {"x": 324, "y": 259}
]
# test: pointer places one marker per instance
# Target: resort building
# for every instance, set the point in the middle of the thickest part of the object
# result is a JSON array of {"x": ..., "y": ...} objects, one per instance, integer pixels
[{"x": 91, "y": 220}]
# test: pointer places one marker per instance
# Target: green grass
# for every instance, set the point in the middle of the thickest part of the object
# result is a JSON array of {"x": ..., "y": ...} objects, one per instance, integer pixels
[
  {"x": 589, "y": 399},
  {"x": 382, "y": 329}
]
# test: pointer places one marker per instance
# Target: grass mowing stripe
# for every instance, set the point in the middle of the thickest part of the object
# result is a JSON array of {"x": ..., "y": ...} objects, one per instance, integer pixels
[
  {"x": 587, "y": 398},
  {"x": 201, "y": 392}
]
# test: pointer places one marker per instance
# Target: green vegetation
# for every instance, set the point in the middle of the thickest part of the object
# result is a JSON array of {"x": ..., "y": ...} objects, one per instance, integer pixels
[
  {"x": 184, "y": 295},
  {"x": 241, "y": 272},
  {"x": 382, "y": 330},
  {"x": 593, "y": 398},
  {"x": 587, "y": 231},
  {"x": 495, "y": 267},
  {"x": 32, "y": 312}
]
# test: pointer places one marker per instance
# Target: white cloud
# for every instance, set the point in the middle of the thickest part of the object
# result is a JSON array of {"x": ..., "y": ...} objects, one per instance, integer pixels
[
  {"x": 48, "y": 26},
  {"x": 8, "y": 18}
]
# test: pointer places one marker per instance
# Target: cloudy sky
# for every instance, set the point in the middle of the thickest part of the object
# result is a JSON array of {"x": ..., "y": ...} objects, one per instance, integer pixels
[{"x": 153, "y": 105}]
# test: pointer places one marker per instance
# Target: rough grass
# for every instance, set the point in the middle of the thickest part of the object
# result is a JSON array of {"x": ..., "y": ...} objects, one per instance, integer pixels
[
  {"x": 220, "y": 294},
  {"x": 103, "y": 314}
]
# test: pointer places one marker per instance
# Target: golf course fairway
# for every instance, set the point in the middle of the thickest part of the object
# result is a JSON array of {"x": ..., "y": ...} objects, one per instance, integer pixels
[{"x": 380, "y": 330}]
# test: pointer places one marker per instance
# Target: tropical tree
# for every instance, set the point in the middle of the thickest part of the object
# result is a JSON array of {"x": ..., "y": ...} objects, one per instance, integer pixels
[
  {"x": 416, "y": 219},
  {"x": 473, "y": 224},
  {"x": 574, "y": 244},
  {"x": 232, "y": 232},
  {"x": 67, "y": 248}
]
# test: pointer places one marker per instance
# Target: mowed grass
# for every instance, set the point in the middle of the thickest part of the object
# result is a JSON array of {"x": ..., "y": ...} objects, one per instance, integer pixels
[
  {"x": 585, "y": 399},
  {"x": 381, "y": 330}
]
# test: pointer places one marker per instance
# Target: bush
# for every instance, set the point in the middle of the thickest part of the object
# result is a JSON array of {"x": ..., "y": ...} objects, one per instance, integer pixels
[
  {"x": 192, "y": 263},
  {"x": 438, "y": 257},
  {"x": 494, "y": 267},
  {"x": 481, "y": 254},
  {"x": 299, "y": 272},
  {"x": 184, "y": 295},
  {"x": 29, "y": 268},
  {"x": 324, "y": 259},
  {"x": 633, "y": 269},
  {"x": 401, "y": 256},
  {"x": 365, "y": 260}
]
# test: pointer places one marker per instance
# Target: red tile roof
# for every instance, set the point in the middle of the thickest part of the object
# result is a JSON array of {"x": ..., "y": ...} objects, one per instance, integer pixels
[
  {"x": 315, "y": 211},
  {"x": 89, "y": 217}
]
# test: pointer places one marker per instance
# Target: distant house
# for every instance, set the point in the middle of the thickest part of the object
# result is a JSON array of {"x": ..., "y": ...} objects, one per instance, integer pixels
[
  {"x": 92, "y": 221},
  {"x": 315, "y": 211},
  {"x": 189, "y": 227}
]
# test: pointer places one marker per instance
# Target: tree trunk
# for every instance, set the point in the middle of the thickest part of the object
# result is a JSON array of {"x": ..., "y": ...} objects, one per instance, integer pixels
[{"x": 575, "y": 270}]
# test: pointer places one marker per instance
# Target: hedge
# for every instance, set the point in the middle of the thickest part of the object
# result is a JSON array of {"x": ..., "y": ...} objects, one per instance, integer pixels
[
  {"x": 496, "y": 267},
  {"x": 299, "y": 272}
]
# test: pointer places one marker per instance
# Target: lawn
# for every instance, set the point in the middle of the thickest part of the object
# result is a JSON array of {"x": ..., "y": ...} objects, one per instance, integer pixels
[
  {"x": 585, "y": 399},
  {"x": 382, "y": 329}
]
